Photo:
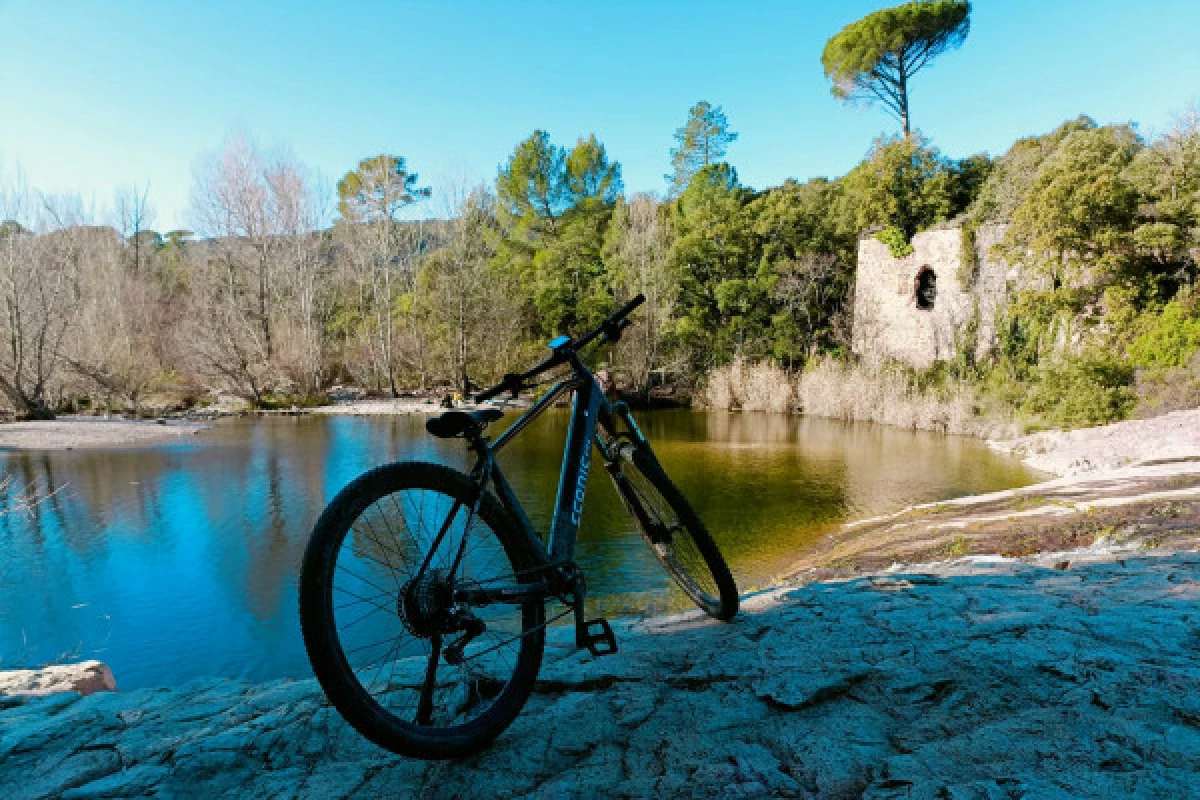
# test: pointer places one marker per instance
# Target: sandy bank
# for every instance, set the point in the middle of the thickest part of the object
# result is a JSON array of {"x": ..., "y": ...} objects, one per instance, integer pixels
[{"x": 66, "y": 433}]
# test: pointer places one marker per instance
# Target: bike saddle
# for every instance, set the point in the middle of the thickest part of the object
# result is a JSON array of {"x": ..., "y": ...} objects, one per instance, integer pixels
[{"x": 457, "y": 423}]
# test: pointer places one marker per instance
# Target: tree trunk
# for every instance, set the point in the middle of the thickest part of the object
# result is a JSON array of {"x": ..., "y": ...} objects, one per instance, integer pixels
[
  {"x": 902, "y": 83},
  {"x": 26, "y": 407},
  {"x": 263, "y": 312}
]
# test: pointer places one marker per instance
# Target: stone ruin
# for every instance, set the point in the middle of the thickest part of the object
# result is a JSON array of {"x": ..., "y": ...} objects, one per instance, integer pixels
[{"x": 928, "y": 306}]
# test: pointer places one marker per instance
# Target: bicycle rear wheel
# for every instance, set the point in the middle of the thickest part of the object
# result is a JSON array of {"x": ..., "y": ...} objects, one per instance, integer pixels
[
  {"x": 674, "y": 531},
  {"x": 407, "y": 666}
]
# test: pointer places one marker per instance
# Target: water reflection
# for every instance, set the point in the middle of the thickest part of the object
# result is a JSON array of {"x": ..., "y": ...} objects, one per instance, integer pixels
[{"x": 180, "y": 561}]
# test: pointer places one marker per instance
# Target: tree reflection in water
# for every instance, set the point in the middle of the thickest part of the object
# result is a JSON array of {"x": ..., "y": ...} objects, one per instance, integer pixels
[{"x": 180, "y": 561}]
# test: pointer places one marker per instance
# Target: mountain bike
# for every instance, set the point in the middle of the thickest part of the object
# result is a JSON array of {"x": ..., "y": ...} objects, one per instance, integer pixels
[{"x": 424, "y": 590}]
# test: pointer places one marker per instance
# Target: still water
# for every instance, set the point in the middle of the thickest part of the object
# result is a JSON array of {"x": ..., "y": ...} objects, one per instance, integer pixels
[{"x": 180, "y": 561}]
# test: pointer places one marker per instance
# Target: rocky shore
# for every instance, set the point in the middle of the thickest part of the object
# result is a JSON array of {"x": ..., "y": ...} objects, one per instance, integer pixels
[
  {"x": 1133, "y": 483},
  {"x": 79, "y": 431},
  {"x": 1075, "y": 675}
]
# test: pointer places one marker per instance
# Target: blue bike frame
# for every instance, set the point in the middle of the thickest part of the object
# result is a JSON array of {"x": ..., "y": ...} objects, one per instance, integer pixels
[
  {"x": 588, "y": 407},
  {"x": 592, "y": 423}
]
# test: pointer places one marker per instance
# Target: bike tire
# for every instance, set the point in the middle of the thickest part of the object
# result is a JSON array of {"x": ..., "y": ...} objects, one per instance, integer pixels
[
  {"x": 690, "y": 556},
  {"x": 319, "y": 612}
]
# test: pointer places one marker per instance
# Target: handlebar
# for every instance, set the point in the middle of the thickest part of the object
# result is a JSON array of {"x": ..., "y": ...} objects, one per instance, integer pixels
[
  {"x": 613, "y": 325},
  {"x": 611, "y": 328}
]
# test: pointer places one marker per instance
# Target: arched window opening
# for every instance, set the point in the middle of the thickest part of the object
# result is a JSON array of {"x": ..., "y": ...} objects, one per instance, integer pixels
[{"x": 926, "y": 289}]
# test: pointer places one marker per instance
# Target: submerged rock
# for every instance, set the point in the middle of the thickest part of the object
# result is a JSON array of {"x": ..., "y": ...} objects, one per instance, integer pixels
[{"x": 86, "y": 677}]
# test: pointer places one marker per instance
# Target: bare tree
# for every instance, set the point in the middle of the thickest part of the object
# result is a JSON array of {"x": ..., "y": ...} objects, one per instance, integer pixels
[
  {"x": 230, "y": 201},
  {"x": 116, "y": 344},
  {"x": 637, "y": 250},
  {"x": 306, "y": 301},
  {"x": 811, "y": 290},
  {"x": 261, "y": 213},
  {"x": 384, "y": 253},
  {"x": 40, "y": 255},
  {"x": 134, "y": 215}
]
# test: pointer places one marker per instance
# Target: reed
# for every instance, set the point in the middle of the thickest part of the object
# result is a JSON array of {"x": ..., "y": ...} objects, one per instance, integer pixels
[
  {"x": 742, "y": 386},
  {"x": 892, "y": 395},
  {"x": 888, "y": 394}
]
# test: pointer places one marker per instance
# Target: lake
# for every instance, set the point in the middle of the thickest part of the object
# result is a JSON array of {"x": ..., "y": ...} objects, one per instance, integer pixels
[{"x": 179, "y": 561}]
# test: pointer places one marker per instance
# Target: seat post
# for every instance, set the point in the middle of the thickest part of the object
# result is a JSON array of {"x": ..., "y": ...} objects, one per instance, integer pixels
[{"x": 476, "y": 441}]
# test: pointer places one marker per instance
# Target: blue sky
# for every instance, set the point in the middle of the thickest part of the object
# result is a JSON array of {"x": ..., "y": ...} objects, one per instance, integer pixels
[{"x": 102, "y": 94}]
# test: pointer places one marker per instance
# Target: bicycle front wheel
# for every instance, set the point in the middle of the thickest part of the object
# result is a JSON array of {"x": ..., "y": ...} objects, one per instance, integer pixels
[
  {"x": 399, "y": 655},
  {"x": 674, "y": 531}
]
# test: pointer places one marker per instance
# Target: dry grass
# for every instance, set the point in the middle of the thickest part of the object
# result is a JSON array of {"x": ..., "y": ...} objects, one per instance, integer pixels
[
  {"x": 890, "y": 396},
  {"x": 1166, "y": 390},
  {"x": 885, "y": 394},
  {"x": 750, "y": 387}
]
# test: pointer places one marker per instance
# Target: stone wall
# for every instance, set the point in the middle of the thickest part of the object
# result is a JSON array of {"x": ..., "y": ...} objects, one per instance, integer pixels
[{"x": 888, "y": 320}]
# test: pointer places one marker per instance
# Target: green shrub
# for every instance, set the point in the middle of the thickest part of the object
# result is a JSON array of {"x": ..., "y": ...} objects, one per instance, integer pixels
[
  {"x": 1172, "y": 338},
  {"x": 1081, "y": 391},
  {"x": 897, "y": 243}
]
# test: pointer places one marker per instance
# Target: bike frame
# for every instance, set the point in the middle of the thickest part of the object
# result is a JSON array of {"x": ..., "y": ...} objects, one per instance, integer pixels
[{"x": 591, "y": 413}]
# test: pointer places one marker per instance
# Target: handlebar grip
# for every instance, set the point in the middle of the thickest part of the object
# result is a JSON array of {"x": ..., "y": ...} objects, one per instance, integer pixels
[
  {"x": 628, "y": 308},
  {"x": 612, "y": 326}
]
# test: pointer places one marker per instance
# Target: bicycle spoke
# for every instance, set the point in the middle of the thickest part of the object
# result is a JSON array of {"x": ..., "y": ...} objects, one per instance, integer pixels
[
  {"x": 385, "y": 551},
  {"x": 400, "y": 513},
  {"x": 520, "y": 635},
  {"x": 678, "y": 552},
  {"x": 373, "y": 644},
  {"x": 391, "y": 654},
  {"x": 375, "y": 610},
  {"x": 349, "y": 572},
  {"x": 404, "y": 671},
  {"x": 360, "y": 599},
  {"x": 374, "y": 560}
]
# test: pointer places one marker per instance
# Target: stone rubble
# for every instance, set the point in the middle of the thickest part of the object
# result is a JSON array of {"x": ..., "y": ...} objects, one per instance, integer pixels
[{"x": 1066, "y": 675}]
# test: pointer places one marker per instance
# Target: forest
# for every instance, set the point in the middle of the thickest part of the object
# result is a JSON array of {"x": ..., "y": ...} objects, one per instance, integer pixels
[{"x": 277, "y": 297}]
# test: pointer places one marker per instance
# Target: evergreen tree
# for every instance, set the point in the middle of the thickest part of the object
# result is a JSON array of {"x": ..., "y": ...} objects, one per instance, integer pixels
[
  {"x": 532, "y": 188},
  {"x": 378, "y": 189},
  {"x": 874, "y": 58},
  {"x": 722, "y": 309},
  {"x": 558, "y": 204},
  {"x": 701, "y": 142}
]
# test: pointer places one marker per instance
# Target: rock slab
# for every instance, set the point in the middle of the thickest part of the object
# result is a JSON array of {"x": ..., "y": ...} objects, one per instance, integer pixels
[{"x": 985, "y": 678}]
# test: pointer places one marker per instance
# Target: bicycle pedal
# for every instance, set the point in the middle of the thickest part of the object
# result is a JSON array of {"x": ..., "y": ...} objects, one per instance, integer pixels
[{"x": 600, "y": 642}]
